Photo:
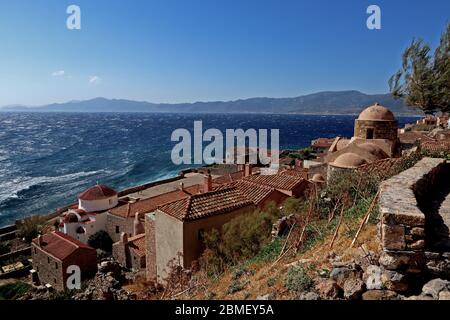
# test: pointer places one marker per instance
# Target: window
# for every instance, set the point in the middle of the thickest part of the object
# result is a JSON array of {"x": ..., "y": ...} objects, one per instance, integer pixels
[
  {"x": 48, "y": 259},
  {"x": 35, "y": 251},
  {"x": 117, "y": 229},
  {"x": 56, "y": 265},
  {"x": 369, "y": 133},
  {"x": 54, "y": 280},
  {"x": 201, "y": 234}
]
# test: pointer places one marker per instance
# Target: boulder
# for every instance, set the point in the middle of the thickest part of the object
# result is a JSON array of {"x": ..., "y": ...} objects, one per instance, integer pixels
[
  {"x": 434, "y": 287},
  {"x": 353, "y": 288},
  {"x": 394, "y": 281},
  {"x": 264, "y": 297},
  {"x": 379, "y": 295},
  {"x": 309, "y": 296},
  {"x": 444, "y": 295},
  {"x": 372, "y": 277},
  {"x": 393, "y": 261},
  {"x": 342, "y": 274},
  {"x": 328, "y": 289}
]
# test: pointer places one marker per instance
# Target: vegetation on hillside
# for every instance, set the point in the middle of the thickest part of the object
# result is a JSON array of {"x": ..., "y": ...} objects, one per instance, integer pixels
[
  {"x": 101, "y": 240},
  {"x": 12, "y": 291},
  {"x": 31, "y": 227}
]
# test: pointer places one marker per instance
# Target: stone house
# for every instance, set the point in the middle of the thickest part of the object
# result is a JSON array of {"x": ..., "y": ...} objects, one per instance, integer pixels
[
  {"x": 54, "y": 252},
  {"x": 130, "y": 252},
  {"x": 128, "y": 217},
  {"x": 174, "y": 232}
]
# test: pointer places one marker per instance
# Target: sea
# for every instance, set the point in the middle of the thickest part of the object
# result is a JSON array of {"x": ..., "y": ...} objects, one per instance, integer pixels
[{"x": 46, "y": 159}]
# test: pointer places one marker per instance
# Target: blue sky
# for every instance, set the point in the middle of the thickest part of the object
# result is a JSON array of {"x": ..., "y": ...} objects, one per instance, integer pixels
[{"x": 202, "y": 50}]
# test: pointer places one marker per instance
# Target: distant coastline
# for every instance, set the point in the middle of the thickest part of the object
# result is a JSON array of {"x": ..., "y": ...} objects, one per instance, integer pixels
[{"x": 321, "y": 103}]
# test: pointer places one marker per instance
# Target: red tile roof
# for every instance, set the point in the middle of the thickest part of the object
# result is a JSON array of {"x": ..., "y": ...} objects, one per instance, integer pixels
[
  {"x": 228, "y": 178},
  {"x": 435, "y": 146},
  {"x": 277, "y": 181},
  {"x": 206, "y": 204},
  {"x": 381, "y": 168},
  {"x": 299, "y": 172},
  {"x": 137, "y": 244},
  {"x": 97, "y": 192},
  {"x": 59, "y": 245},
  {"x": 147, "y": 205},
  {"x": 252, "y": 191}
]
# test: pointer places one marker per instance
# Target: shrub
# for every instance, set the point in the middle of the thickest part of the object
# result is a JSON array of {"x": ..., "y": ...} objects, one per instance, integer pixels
[
  {"x": 101, "y": 240},
  {"x": 241, "y": 238},
  {"x": 297, "y": 280},
  {"x": 12, "y": 291},
  {"x": 31, "y": 227},
  {"x": 4, "y": 247}
]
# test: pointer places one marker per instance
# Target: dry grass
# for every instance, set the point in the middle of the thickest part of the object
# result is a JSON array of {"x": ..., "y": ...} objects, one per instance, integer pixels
[{"x": 264, "y": 278}]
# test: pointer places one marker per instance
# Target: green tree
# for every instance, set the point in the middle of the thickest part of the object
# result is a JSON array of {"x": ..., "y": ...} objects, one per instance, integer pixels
[
  {"x": 101, "y": 240},
  {"x": 31, "y": 227},
  {"x": 424, "y": 79}
]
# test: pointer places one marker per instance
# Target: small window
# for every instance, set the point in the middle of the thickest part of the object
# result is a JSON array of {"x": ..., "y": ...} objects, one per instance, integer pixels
[
  {"x": 201, "y": 234},
  {"x": 54, "y": 280},
  {"x": 117, "y": 229},
  {"x": 48, "y": 259},
  {"x": 369, "y": 133},
  {"x": 56, "y": 265}
]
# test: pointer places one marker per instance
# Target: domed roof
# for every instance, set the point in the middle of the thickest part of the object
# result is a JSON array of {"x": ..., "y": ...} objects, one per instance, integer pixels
[
  {"x": 376, "y": 113},
  {"x": 71, "y": 217},
  {"x": 318, "y": 178},
  {"x": 97, "y": 192},
  {"x": 349, "y": 160},
  {"x": 373, "y": 149}
]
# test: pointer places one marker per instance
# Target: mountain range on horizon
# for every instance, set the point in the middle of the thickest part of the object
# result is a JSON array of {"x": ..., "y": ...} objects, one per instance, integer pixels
[{"x": 326, "y": 102}]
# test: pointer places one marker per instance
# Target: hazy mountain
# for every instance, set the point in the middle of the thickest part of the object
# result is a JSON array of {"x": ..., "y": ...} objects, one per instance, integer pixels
[{"x": 329, "y": 102}]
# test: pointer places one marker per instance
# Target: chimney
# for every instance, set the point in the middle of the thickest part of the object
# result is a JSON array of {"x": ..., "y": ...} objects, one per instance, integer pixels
[
  {"x": 207, "y": 185},
  {"x": 181, "y": 186},
  {"x": 128, "y": 209},
  {"x": 248, "y": 170},
  {"x": 123, "y": 238},
  {"x": 138, "y": 228},
  {"x": 39, "y": 240}
]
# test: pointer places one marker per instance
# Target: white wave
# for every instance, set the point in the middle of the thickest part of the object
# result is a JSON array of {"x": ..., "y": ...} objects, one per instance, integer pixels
[{"x": 10, "y": 189}]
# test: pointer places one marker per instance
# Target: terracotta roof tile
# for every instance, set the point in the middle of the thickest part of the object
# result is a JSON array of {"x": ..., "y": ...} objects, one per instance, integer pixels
[
  {"x": 380, "y": 168},
  {"x": 97, "y": 192},
  {"x": 300, "y": 173},
  {"x": 228, "y": 178},
  {"x": 60, "y": 245},
  {"x": 277, "y": 181},
  {"x": 435, "y": 146},
  {"x": 137, "y": 244},
  {"x": 206, "y": 204},
  {"x": 147, "y": 205},
  {"x": 252, "y": 191}
]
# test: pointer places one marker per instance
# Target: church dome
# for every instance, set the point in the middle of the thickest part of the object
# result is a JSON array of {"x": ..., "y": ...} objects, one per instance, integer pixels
[
  {"x": 376, "y": 113},
  {"x": 97, "y": 192},
  {"x": 374, "y": 150},
  {"x": 349, "y": 161}
]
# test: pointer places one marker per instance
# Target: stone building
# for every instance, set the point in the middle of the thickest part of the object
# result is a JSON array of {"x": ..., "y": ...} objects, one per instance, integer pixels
[
  {"x": 53, "y": 253},
  {"x": 174, "y": 232},
  {"x": 375, "y": 138},
  {"x": 129, "y": 217},
  {"x": 130, "y": 252}
]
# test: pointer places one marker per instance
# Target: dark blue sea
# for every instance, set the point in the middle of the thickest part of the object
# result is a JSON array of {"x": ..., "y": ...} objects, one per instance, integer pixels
[{"x": 46, "y": 159}]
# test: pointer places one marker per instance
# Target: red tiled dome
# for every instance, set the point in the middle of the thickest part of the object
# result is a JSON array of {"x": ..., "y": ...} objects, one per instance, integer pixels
[{"x": 97, "y": 192}]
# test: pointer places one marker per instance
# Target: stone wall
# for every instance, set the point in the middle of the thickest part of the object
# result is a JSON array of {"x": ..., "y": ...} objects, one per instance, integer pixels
[
  {"x": 150, "y": 247},
  {"x": 123, "y": 224},
  {"x": 49, "y": 269},
  {"x": 402, "y": 225},
  {"x": 381, "y": 129}
]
